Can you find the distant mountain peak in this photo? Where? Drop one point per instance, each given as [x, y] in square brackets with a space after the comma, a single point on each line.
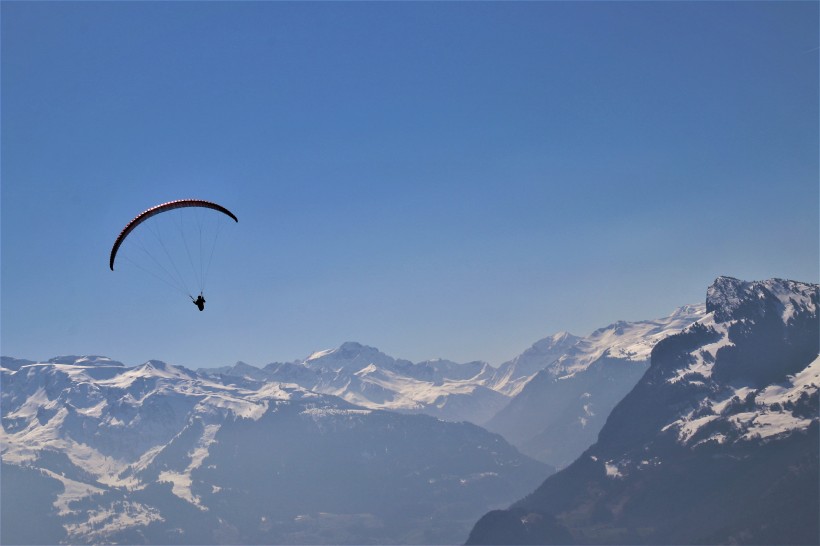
[687, 310]
[160, 369]
[347, 350]
[12, 363]
[561, 340]
[86, 360]
[352, 349]
[730, 298]
[563, 337]
[243, 366]
[350, 356]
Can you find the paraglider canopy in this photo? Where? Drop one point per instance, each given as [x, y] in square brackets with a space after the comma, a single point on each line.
[174, 242]
[164, 207]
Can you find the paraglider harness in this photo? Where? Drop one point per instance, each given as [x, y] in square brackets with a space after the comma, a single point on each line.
[199, 301]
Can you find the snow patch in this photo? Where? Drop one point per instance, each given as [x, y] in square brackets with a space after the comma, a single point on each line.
[72, 491]
[768, 424]
[612, 470]
[765, 419]
[181, 481]
[118, 516]
[319, 354]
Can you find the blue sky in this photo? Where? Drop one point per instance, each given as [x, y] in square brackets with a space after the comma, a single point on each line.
[449, 180]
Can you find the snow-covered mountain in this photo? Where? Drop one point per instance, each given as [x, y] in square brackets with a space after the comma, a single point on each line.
[334, 447]
[500, 398]
[109, 448]
[576, 382]
[365, 376]
[106, 417]
[716, 444]
[512, 375]
[160, 454]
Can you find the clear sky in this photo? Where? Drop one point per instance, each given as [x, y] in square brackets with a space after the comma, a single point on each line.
[452, 180]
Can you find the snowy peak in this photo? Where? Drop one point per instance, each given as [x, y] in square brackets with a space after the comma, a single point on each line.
[731, 298]
[11, 363]
[89, 360]
[246, 371]
[365, 376]
[440, 370]
[745, 371]
[350, 357]
[158, 368]
[558, 342]
[557, 412]
[564, 354]
[752, 361]
[514, 374]
[346, 351]
[634, 340]
[687, 311]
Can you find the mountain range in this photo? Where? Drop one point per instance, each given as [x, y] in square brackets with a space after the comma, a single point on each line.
[716, 444]
[645, 421]
[550, 401]
[160, 454]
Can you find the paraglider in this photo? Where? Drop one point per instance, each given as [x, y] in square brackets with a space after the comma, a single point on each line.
[162, 238]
